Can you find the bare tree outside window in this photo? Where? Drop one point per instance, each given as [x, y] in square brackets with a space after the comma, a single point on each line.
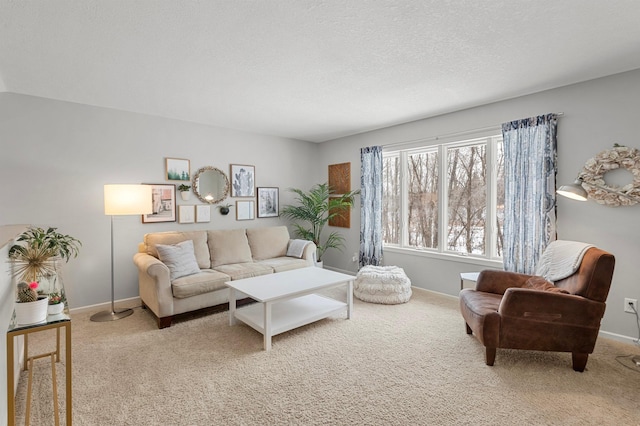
[423, 199]
[500, 197]
[391, 200]
[473, 222]
[467, 196]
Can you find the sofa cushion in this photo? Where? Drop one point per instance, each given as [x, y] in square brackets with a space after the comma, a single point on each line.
[268, 242]
[179, 258]
[199, 238]
[238, 271]
[281, 264]
[228, 246]
[203, 282]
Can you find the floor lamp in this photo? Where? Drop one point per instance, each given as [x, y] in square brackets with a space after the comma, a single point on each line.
[122, 200]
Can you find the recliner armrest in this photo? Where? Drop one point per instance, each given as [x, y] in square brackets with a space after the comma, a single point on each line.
[545, 306]
[497, 282]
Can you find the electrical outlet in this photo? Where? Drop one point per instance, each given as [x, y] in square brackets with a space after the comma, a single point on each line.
[628, 303]
[354, 259]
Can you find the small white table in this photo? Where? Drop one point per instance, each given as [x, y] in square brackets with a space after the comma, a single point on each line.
[468, 276]
[287, 300]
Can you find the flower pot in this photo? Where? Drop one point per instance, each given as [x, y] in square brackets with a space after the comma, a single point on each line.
[186, 195]
[55, 309]
[32, 312]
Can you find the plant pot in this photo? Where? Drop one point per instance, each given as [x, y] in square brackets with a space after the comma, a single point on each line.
[55, 309]
[186, 195]
[319, 264]
[32, 312]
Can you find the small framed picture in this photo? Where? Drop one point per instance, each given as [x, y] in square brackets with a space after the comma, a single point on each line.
[163, 199]
[186, 214]
[245, 210]
[203, 213]
[243, 178]
[268, 202]
[177, 169]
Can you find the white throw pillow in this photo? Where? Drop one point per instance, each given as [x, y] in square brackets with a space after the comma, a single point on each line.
[180, 258]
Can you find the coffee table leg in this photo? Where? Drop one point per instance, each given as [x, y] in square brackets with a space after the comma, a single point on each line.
[267, 326]
[349, 299]
[232, 306]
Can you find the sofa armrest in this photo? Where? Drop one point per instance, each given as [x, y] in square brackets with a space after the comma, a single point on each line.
[309, 253]
[154, 284]
[497, 282]
[551, 307]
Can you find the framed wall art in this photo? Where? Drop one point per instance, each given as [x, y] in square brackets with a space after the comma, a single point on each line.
[243, 178]
[340, 178]
[186, 214]
[245, 210]
[177, 169]
[342, 220]
[268, 199]
[203, 213]
[163, 198]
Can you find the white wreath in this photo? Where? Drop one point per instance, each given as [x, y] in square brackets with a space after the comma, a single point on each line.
[612, 195]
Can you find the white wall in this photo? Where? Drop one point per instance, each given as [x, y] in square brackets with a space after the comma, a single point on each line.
[56, 156]
[596, 114]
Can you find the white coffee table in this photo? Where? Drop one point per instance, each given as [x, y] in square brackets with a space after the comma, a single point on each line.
[287, 300]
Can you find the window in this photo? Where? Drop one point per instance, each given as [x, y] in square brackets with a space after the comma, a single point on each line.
[446, 198]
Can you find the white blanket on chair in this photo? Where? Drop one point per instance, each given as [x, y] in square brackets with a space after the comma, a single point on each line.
[561, 259]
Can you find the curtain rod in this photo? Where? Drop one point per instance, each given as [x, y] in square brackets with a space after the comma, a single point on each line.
[449, 135]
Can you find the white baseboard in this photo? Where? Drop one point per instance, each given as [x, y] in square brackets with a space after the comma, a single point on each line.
[128, 303]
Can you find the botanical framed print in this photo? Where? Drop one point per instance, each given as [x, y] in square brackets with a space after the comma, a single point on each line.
[163, 198]
[243, 178]
[340, 178]
[268, 202]
[245, 210]
[186, 214]
[177, 169]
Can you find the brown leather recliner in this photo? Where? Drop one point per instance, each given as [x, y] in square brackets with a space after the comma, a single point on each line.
[503, 312]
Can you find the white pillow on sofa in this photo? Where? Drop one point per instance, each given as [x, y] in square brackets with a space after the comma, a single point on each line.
[180, 258]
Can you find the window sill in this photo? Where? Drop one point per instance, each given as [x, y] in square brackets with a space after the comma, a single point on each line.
[446, 256]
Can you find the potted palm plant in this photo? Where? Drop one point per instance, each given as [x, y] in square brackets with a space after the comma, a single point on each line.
[313, 211]
[35, 258]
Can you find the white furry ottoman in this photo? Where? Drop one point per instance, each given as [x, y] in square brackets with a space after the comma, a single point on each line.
[382, 284]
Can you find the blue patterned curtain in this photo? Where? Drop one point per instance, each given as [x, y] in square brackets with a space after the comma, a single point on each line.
[371, 206]
[530, 152]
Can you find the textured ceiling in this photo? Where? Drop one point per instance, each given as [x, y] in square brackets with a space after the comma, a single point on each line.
[311, 70]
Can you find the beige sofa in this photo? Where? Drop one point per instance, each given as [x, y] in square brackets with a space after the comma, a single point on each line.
[221, 255]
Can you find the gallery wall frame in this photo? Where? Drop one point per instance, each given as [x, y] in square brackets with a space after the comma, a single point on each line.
[203, 213]
[186, 214]
[243, 180]
[163, 198]
[245, 210]
[268, 202]
[177, 169]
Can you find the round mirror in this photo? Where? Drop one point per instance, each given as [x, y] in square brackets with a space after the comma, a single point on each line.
[210, 185]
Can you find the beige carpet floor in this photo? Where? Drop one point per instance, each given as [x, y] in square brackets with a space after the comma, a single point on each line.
[410, 364]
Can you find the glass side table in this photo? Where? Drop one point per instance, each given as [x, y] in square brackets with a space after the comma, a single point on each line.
[57, 322]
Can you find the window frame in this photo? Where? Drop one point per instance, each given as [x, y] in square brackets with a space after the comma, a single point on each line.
[490, 258]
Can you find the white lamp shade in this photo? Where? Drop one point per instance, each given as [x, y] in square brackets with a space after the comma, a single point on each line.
[127, 199]
[575, 191]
